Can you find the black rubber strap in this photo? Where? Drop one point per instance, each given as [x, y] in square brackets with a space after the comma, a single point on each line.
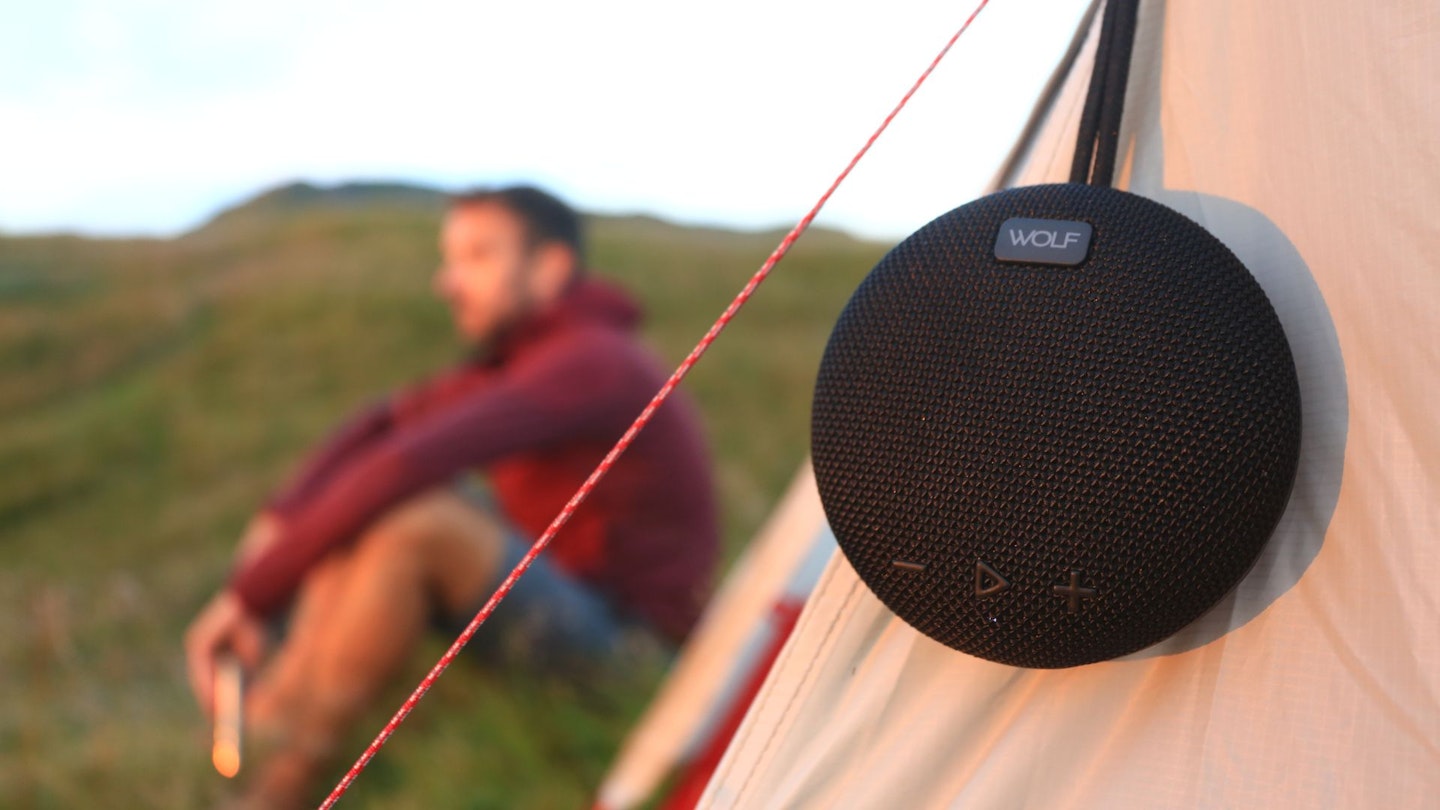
[1090, 117]
[1098, 140]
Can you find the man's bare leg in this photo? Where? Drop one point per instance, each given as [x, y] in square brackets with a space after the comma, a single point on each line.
[283, 685]
[368, 611]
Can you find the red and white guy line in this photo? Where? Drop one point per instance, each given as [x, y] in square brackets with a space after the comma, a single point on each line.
[639, 424]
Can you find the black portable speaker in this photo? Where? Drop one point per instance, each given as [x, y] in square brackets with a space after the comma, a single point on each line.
[1056, 425]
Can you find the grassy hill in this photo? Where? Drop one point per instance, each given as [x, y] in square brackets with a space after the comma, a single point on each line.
[151, 392]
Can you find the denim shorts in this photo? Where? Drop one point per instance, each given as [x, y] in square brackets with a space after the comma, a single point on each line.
[552, 621]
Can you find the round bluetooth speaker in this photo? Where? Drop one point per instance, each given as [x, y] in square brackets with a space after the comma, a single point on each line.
[1056, 425]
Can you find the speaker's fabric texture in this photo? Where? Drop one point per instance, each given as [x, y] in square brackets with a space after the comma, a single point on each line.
[1302, 135]
[1051, 466]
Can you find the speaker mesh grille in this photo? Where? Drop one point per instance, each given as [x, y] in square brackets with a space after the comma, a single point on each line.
[1135, 418]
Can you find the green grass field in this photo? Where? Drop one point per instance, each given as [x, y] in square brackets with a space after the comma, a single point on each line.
[152, 391]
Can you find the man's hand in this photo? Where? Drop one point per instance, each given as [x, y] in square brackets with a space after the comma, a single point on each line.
[223, 626]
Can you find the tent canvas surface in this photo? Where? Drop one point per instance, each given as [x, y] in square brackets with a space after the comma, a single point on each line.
[750, 613]
[1302, 135]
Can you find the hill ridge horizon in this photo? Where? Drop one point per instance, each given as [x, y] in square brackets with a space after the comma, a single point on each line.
[301, 195]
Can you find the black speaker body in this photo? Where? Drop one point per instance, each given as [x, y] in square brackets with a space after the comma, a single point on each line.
[1052, 463]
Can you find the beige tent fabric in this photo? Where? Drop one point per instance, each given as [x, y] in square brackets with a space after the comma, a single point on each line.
[1306, 136]
[697, 682]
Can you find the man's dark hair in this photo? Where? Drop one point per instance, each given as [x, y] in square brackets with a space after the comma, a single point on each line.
[546, 217]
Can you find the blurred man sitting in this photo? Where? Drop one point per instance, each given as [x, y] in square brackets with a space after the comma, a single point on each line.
[373, 541]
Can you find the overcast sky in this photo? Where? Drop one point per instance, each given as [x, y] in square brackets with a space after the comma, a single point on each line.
[146, 116]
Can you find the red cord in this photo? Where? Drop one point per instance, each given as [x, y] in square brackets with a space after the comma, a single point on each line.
[640, 422]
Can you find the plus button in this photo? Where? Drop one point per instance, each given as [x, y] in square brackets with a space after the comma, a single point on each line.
[1073, 592]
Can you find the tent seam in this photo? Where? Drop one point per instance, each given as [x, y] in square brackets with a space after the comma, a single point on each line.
[804, 678]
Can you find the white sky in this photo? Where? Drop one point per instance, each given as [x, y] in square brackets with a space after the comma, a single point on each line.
[146, 116]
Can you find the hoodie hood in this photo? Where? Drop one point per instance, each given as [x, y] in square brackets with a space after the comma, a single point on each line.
[588, 302]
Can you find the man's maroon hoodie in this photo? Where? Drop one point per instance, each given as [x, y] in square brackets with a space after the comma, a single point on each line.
[535, 413]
